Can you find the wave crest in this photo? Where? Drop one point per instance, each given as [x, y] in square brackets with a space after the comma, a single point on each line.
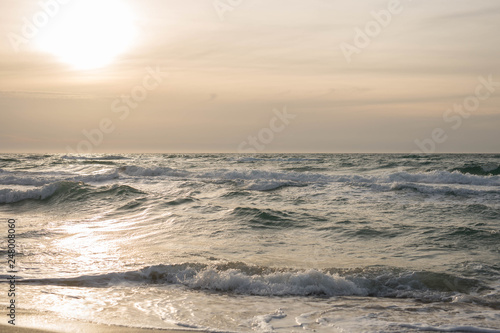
[263, 281]
[65, 191]
[479, 170]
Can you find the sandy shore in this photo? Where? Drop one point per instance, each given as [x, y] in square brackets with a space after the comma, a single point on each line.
[15, 329]
[32, 322]
[84, 327]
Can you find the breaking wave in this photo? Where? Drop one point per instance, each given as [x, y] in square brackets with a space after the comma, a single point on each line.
[480, 170]
[64, 191]
[240, 278]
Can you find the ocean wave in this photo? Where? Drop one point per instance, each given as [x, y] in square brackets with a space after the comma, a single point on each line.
[263, 281]
[267, 180]
[138, 171]
[475, 233]
[94, 157]
[64, 191]
[486, 212]
[36, 156]
[431, 183]
[439, 190]
[480, 170]
[443, 177]
[15, 195]
[45, 178]
[269, 185]
[179, 201]
[224, 174]
[224, 279]
[103, 162]
[8, 159]
[273, 159]
[266, 218]
[305, 168]
[432, 177]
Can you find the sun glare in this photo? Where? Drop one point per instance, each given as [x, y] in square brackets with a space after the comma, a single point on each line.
[89, 34]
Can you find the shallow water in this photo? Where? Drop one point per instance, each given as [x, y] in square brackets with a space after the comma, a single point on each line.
[276, 242]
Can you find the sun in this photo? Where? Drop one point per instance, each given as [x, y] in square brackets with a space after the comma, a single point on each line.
[89, 34]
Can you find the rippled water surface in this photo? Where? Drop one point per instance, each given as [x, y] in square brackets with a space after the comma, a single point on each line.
[242, 243]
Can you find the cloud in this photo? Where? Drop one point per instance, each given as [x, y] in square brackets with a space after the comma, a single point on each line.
[469, 14]
[43, 95]
[225, 77]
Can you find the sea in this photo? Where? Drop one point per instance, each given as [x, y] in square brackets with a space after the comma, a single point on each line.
[256, 243]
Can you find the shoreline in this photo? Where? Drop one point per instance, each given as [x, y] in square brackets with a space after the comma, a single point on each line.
[33, 322]
[82, 327]
[88, 327]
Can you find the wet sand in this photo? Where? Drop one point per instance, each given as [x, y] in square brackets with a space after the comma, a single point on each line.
[33, 322]
[84, 328]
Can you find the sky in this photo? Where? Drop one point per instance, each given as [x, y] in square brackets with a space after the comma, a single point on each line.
[90, 76]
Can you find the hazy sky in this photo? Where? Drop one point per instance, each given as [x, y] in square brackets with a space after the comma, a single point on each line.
[205, 76]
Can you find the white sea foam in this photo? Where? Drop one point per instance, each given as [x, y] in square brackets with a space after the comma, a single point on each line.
[443, 177]
[45, 178]
[153, 172]
[250, 280]
[94, 157]
[311, 282]
[436, 182]
[433, 177]
[290, 159]
[449, 328]
[263, 322]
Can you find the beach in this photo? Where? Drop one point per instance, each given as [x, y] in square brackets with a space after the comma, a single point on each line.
[33, 322]
[84, 328]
